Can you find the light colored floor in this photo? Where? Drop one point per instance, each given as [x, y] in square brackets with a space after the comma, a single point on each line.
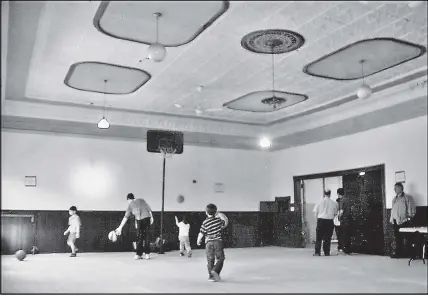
[249, 270]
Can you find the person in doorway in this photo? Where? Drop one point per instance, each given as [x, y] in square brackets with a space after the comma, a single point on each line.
[325, 212]
[336, 220]
[344, 215]
[73, 230]
[183, 236]
[143, 219]
[402, 212]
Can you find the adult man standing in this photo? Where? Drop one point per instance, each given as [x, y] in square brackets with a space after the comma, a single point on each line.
[344, 216]
[143, 219]
[403, 210]
[325, 212]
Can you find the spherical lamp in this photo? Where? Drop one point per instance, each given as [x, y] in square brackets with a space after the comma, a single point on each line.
[364, 91]
[157, 52]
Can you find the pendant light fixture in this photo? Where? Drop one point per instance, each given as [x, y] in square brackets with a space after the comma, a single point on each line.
[103, 123]
[157, 51]
[273, 101]
[364, 91]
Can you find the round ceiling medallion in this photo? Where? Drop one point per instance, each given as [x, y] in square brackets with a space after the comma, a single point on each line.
[274, 101]
[272, 41]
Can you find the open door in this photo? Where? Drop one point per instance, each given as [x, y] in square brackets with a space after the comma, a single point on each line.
[366, 198]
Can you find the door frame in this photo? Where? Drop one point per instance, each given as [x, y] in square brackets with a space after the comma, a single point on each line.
[299, 199]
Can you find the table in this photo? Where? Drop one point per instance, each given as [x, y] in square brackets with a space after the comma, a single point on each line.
[416, 230]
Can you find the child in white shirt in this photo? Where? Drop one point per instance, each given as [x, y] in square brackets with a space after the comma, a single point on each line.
[73, 230]
[183, 236]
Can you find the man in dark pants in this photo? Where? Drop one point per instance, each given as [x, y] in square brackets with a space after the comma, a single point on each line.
[336, 220]
[402, 212]
[143, 219]
[345, 222]
[325, 212]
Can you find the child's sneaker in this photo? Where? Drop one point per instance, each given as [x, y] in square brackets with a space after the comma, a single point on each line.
[211, 279]
[181, 254]
[215, 275]
[147, 256]
[136, 257]
[189, 255]
[73, 255]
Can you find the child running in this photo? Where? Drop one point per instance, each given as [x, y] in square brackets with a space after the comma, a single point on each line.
[212, 230]
[73, 230]
[183, 236]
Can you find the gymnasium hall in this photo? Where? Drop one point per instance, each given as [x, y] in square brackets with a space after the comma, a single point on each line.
[214, 147]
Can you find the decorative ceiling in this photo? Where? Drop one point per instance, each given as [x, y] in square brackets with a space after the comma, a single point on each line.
[105, 78]
[50, 41]
[364, 58]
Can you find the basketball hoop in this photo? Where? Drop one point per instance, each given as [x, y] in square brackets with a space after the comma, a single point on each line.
[167, 152]
[166, 148]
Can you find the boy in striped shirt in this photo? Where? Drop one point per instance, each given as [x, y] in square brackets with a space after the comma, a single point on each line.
[211, 228]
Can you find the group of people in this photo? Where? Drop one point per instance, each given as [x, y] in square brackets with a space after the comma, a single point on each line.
[211, 230]
[337, 215]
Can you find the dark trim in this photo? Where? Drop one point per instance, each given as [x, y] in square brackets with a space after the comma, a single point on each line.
[74, 66]
[384, 212]
[103, 7]
[306, 69]
[338, 173]
[305, 97]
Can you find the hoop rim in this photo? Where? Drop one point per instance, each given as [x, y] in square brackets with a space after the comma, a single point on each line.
[167, 152]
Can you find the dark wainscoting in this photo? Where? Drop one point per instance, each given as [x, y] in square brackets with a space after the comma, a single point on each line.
[246, 229]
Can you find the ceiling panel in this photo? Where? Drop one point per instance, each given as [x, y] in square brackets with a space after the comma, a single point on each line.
[66, 35]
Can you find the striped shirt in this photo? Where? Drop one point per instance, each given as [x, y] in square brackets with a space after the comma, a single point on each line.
[211, 228]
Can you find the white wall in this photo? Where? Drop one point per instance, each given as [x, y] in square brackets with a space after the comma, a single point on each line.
[401, 147]
[96, 174]
[4, 43]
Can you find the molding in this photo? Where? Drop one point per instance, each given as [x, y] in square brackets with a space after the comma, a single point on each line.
[378, 118]
[91, 116]
[390, 97]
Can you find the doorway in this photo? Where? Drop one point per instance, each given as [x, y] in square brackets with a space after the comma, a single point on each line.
[17, 233]
[365, 187]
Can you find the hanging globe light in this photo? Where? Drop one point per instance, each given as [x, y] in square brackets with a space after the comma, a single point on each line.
[364, 91]
[157, 52]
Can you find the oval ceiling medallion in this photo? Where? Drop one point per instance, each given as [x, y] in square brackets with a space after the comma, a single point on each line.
[274, 41]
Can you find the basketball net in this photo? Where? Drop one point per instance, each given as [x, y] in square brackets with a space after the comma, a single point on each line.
[167, 152]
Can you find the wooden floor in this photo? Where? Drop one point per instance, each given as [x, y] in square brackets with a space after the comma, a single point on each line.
[249, 270]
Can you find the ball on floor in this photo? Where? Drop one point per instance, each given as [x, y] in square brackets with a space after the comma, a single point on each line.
[180, 198]
[112, 236]
[20, 255]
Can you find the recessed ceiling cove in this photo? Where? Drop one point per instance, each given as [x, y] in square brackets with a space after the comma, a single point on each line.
[105, 78]
[181, 21]
[265, 101]
[272, 41]
[364, 58]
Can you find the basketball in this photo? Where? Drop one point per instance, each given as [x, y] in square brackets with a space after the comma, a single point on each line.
[20, 255]
[112, 236]
[180, 198]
